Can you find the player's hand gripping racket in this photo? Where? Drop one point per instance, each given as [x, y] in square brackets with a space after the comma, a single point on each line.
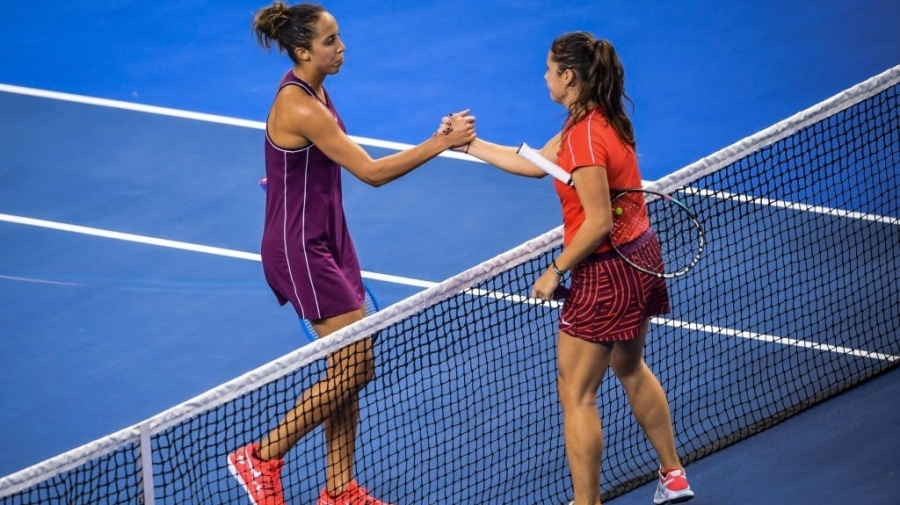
[639, 216]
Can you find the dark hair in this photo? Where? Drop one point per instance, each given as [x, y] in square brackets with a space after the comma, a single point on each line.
[596, 65]
[288, 27]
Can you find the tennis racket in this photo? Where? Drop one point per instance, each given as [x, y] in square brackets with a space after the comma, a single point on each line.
[645, 224]
[371, 308]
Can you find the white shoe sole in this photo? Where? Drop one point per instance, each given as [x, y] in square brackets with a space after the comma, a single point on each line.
[672, 497]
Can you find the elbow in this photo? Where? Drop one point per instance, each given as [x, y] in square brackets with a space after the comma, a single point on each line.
[600, 228]
[371, 176]
[603, 235]
[606, 227]
[375, 182]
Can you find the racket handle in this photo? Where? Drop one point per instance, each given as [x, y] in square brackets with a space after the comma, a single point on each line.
[561, 292]
[550, 168]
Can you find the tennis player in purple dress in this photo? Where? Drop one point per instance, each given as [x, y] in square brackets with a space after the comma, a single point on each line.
[307, 253]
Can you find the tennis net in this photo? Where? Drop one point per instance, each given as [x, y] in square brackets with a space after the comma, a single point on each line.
[796, 299]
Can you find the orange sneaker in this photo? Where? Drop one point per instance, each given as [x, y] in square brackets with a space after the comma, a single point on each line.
[354, 495]
[260, 479]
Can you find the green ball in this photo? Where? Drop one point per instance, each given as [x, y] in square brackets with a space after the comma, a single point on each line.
[618, 211]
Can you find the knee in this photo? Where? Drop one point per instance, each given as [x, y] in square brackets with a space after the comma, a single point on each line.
[356, 368]
[626, 367]
[358, 376]
[366, 372]
[573, 395]
[636, 377]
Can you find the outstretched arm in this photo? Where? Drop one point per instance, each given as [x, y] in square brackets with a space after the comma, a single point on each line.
[306, 120]
[505, 157]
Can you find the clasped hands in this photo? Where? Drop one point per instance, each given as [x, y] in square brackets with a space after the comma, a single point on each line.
[460, 124]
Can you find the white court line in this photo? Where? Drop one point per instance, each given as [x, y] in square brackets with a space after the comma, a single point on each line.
[761, 337]
[174, 244]
[186, 246]
[792, 205]
[198, 116]
[714, 330]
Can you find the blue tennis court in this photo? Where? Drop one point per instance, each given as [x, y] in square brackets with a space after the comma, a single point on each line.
[128, 276]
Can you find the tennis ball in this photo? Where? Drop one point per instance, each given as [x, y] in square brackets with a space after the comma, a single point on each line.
[619, 211]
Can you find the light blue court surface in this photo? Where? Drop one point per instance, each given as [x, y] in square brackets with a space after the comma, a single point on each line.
[99, 331]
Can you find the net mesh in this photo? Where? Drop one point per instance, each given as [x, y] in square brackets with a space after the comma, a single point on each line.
[797, 298]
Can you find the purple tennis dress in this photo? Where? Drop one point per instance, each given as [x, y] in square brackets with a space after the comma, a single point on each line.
[307, 255]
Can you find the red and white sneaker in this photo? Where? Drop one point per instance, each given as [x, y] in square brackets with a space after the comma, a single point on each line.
[354, 495]
[672, 488]
[260, 479]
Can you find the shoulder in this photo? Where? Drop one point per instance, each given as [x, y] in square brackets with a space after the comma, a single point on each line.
[595, 121]
[293, 101]
[293, 95]
[591, 123]
[591, 128]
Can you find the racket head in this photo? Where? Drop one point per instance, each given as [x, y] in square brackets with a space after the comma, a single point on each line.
[655, 233]
[371, 307]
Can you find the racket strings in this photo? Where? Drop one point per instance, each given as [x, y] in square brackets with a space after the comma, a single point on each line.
[679, 236]
[677, 239]
[630, 218]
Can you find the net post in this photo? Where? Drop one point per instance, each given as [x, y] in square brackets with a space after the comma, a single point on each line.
[147, 464]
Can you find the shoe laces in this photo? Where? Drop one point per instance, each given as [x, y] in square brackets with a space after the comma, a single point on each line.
[266, 483]
[268, 479]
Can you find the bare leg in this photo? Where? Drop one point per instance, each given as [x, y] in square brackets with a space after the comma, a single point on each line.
[582, 366]
[646, 395]
[333, 400]
[340, 441]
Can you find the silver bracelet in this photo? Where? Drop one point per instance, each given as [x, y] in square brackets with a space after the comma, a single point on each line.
[556, 269]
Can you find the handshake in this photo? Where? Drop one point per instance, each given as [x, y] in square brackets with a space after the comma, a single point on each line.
[459, 129]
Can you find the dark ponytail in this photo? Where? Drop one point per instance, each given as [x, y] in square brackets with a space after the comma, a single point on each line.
[597, 67]
[287, 27]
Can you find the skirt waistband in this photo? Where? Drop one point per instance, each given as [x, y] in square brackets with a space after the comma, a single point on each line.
[626, 249]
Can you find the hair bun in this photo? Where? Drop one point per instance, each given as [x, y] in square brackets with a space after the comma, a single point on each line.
[279, 8]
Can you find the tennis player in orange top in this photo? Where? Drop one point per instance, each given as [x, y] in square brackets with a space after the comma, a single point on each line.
[607, 311]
